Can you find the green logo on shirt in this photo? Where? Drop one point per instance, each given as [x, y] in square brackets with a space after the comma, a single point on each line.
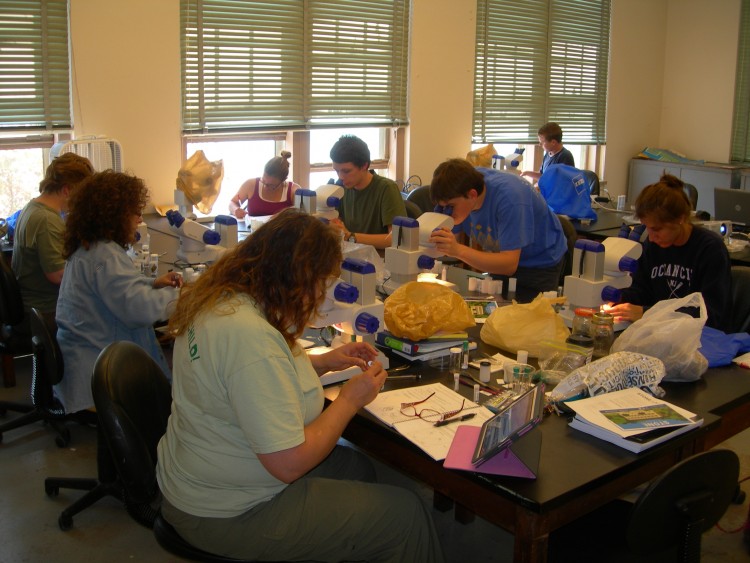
[192, 346]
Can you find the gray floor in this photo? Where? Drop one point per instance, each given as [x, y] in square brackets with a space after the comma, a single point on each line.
[104, 532]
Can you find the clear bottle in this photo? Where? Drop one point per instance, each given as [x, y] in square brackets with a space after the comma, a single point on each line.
[603, 332]
[582, 321]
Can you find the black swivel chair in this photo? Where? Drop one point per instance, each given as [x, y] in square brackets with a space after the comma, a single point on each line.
[421, 197]
[692, 194]
[664, 524]
[47, 371]
[13, 342]
[571, 236]
[412, 210]
[592, 181]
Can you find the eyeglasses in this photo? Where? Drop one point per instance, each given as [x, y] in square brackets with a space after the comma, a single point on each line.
[431, 415]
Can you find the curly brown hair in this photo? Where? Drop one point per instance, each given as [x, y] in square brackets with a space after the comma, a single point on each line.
[102, 208]
[283, 266]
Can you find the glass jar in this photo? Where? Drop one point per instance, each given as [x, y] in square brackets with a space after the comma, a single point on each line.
[603, 333]
[582, 321]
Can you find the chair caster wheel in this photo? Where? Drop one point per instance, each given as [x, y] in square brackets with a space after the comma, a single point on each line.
[51, 490]
[63, 440]
[739, 496]
[65, 522]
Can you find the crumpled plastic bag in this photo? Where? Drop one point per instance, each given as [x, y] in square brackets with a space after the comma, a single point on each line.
[417, 310]
[523, 326]
[200, 180]
[482, 156]
[670, 335]
[612, 373]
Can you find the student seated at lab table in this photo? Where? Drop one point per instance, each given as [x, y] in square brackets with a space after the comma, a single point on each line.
[550, 138]
[370, 201]
[38, 261]
[249, 466]
[103, 296]
[511, 229]
[268, 194]
[679, 258]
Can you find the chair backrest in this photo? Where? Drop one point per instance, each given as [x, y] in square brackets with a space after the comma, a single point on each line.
[412, 209]
[740, 299]
[421, 196]
[571, 236]
[133, 400]
[11, 303]
[692, 194]
[47, 362]
[592, 181]
[681, 504]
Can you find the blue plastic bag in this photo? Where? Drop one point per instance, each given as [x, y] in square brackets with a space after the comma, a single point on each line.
[566, 192]
[720, 348]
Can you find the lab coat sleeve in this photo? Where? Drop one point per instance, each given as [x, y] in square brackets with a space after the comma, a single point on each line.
[129, 294]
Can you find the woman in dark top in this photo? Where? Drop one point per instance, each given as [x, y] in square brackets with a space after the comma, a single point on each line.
[678, 258]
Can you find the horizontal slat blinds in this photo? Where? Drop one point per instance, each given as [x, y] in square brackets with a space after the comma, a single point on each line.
[540, 61]
[293, 64]
[34, 68]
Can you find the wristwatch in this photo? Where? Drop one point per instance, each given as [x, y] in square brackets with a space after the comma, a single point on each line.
[352, 237]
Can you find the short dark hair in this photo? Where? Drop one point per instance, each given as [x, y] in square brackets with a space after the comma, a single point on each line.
[454, 178]
[351, 149]
[551, 131]
[665, 201]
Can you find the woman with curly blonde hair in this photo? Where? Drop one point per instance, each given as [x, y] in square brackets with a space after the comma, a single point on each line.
[103, 297]
[249, 466]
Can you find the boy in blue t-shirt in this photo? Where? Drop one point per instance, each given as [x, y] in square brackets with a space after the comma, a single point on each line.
[511, 229]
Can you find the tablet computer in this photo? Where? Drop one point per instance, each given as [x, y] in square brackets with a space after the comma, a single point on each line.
[508, 425]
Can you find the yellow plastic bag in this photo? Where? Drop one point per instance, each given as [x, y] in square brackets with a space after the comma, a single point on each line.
[523, 326]
[417, 310]
[482, 156]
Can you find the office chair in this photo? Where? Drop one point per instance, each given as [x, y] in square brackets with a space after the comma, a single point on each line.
[692, 194]
[740, 299]
[665, 523]
[47, 371]
[14, 341]
[592, 181]
[571, 236]
[412, 210]
[421, 197]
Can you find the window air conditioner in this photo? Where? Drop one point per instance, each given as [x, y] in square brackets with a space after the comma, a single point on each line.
[104, 153]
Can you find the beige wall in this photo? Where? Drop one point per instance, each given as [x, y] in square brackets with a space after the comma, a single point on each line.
[671, 82]
[126, 83]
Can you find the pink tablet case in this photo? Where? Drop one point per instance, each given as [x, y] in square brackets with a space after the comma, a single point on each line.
[521, 459]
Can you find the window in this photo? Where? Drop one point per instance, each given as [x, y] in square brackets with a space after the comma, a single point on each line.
[285, 64]
[34, 73]
[538, 62]
[741, 127]
[34, 89]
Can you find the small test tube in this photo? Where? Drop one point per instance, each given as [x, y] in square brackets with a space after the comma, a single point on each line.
[465, 356]
[476, 392]
[456, 359]
[511, 288]
[456, 381]
[485, 369]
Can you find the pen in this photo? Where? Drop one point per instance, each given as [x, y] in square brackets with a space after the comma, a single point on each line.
[405, 376]
[452, 420]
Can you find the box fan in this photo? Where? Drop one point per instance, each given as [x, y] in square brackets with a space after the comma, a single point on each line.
[104, 153]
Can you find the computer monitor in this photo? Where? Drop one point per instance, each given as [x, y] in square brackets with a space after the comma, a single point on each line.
[732, 205]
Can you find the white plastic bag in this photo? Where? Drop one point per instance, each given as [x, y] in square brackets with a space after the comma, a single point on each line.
[671, 336]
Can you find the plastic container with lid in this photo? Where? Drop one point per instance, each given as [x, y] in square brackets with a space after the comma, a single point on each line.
[582, 321]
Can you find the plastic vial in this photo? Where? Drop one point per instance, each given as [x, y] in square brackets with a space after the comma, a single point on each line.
[511, 288]
[603, 333]
[465, 356]
[456, 360]
[522, 356]
[485, 369]
[476, 392]
[456, 381]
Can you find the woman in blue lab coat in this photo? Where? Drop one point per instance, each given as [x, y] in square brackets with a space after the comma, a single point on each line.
[103, 296]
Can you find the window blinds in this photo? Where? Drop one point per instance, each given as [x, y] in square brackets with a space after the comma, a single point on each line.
[34, 68]
[741, 125]
[288, 64]
[540, 61]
